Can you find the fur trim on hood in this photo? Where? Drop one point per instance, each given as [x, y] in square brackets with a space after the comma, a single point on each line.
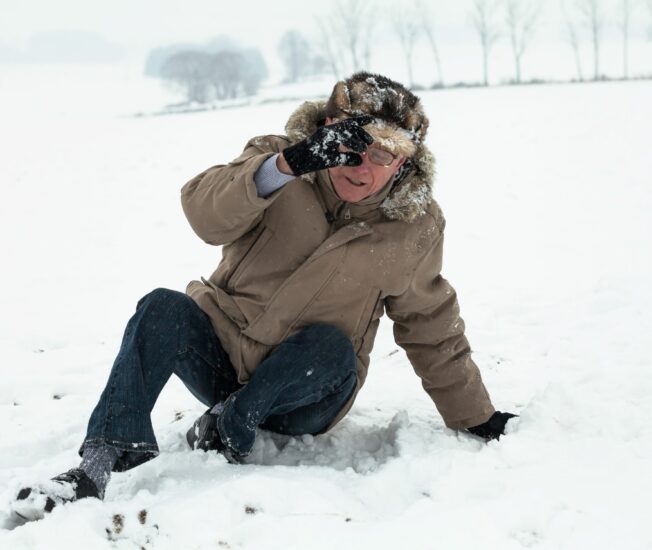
[411, 192]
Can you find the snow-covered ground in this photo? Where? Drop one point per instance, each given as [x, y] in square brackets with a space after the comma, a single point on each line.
[547, 193]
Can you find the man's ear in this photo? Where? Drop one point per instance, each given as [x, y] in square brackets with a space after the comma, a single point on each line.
[401, 162]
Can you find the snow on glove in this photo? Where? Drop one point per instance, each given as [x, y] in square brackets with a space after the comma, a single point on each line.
[321, 149]
[494, 427]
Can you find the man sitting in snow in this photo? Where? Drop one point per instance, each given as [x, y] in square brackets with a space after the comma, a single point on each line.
[322, 231]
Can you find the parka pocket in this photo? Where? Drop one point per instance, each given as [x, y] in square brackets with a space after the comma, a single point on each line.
[248, 257]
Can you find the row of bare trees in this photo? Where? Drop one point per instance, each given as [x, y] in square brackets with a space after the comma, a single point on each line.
[520, 21]
[345, 40]
[592, 15]
[521, 18]
[345, 35]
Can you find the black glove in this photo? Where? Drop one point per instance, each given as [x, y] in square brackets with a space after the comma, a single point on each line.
[204, 435]
[321, 149]
[494, 427]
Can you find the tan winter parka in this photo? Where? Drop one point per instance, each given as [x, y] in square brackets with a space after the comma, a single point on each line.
[301, 256]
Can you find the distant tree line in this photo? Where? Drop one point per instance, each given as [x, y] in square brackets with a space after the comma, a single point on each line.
[219, 70]
[343, 39]
[345, 34]
[518, 21]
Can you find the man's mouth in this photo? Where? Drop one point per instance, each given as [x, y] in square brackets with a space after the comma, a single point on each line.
[354, 182]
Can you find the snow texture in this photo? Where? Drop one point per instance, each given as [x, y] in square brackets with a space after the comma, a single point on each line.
[547, 195]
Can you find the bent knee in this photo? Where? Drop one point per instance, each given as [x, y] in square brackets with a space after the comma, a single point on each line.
[163, 298]
[327, 335]
[332, 346]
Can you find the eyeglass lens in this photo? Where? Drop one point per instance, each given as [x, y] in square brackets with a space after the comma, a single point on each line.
[379, 156]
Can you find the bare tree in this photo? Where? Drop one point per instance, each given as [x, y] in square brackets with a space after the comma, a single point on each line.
[627, 8]
[351, 19]
[366, 39]
[237, 73]
[327, 47]
[482, 17]
[593, 16]
[573, 40]
[406, 26]
[252, 71]
[225, 74]
[295, 53]
[428, 28]
[521, 18]
[189, 70]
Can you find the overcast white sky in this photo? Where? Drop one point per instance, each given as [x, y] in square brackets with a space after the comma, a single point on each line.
[140, 25]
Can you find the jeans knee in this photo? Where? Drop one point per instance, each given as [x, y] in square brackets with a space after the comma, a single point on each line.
[160, 297]
[163, 305]
[327, 334]
[329, 339]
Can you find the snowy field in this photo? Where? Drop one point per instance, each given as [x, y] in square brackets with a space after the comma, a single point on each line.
[547, 193]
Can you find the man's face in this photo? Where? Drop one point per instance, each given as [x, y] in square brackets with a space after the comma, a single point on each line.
[356, 183]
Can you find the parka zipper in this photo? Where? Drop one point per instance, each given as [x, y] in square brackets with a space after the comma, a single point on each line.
[343, 212]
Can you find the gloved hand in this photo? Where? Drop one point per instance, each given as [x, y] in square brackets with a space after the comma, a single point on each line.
[204, 435]
[494, 427]
[321, 149]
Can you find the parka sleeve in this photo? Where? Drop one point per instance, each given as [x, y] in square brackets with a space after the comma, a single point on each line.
[427, 325]
[222, 204]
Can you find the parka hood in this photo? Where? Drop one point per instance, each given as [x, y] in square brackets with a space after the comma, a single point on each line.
[411, 191]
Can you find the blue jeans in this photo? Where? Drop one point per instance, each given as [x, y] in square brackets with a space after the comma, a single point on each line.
[298, 389]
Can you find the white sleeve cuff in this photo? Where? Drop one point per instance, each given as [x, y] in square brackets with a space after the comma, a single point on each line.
[268, 178]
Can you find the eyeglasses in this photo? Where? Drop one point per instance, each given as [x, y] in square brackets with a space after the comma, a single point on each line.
[379, 156]
[376, 155]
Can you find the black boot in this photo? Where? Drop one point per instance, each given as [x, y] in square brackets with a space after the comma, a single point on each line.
[34, 502]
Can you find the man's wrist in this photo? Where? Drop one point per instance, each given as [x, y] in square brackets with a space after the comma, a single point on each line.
[283, 166]
[268, 178]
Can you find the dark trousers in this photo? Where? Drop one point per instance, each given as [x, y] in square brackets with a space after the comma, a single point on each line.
[298, 389]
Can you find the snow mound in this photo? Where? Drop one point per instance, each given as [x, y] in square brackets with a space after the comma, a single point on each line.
[362, 448]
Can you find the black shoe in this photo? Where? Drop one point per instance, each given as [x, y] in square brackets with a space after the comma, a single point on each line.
[34, 503]
[204, 435]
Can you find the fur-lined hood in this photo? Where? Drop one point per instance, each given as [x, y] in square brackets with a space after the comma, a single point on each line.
[411, 192]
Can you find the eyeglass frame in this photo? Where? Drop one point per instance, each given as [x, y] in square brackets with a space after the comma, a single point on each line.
[380, 149]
